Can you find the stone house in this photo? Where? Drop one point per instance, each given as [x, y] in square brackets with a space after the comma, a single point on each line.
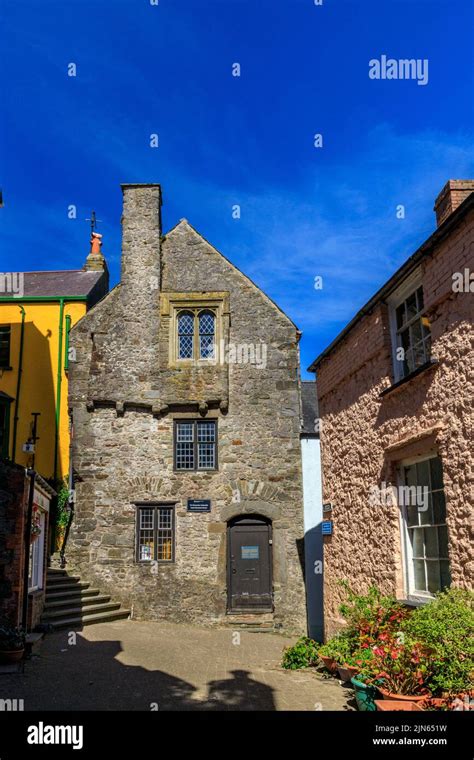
[185, 406]
[396, 391]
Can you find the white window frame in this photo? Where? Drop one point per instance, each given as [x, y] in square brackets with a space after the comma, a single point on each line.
[36, 564]
[407, 553]
[404, 291]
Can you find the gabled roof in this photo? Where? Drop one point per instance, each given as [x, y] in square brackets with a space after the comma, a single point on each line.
[72, 282]
[310, 408]
[185, 223]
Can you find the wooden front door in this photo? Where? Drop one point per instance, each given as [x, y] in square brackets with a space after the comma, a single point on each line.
[249, 564]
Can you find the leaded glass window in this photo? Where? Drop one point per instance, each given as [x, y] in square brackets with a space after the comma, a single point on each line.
[185, 335]
[196, 334]
[206, 334]
[195, 445]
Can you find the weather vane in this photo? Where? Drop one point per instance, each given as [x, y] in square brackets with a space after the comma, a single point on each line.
[93, 220]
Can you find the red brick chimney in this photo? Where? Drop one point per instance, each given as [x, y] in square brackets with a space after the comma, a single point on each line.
[451, 196]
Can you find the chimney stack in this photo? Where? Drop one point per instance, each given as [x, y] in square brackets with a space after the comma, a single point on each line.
[95, 261]
[451, 196]
[141, 238]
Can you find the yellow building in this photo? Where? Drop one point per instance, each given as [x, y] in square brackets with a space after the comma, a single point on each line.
[37, 310]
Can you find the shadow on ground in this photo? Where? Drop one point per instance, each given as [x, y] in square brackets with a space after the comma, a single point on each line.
[88, 676]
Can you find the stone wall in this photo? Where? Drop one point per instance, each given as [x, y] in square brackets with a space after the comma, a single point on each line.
[364, 434]
[125, 393]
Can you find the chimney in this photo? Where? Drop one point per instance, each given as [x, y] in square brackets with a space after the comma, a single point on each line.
[95, 261]
[141, 238]
[451, 196]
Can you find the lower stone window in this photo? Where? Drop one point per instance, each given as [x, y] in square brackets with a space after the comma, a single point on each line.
[155, 533]
[195, 445]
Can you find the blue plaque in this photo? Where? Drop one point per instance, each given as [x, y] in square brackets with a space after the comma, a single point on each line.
[326, 528]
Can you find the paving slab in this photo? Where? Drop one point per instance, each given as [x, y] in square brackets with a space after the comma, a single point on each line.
[132, 665]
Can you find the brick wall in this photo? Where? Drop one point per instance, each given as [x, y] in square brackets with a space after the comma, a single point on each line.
[12, 525]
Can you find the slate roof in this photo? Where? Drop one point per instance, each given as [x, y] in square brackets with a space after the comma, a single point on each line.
[310, 408]
[71, 282]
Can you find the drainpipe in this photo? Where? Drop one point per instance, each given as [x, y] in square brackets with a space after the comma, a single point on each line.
[62, 553]
[26, 568]
[59, 378]
[58, 387]
[66, 350]
[18, 382]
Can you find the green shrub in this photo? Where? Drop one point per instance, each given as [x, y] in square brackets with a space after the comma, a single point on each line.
[63, 512]
[446, 626]
[368, 615]
[302, 655]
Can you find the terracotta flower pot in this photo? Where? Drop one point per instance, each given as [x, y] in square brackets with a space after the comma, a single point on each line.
[346, 672]
[329, 663]
[385, 705]
[401, 697]
[9, 656]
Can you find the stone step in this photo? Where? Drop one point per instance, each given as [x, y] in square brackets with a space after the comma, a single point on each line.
[250, 621]
[53, 595]
[74, 600]
[79, 611]
[59, 580]
[57, 587]
[55, 572]
[102, 617]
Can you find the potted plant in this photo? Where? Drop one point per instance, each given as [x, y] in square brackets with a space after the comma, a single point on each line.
[12, 643]
[354, 663]
[386, 705]
[401, 667]
[365, 691]
[337, 650]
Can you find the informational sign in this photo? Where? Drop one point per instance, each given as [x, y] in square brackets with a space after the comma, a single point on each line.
[249, 552]
[199, 505]
[326, 528]
[327, 507]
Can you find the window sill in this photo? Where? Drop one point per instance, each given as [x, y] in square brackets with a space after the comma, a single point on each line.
[419, 601]
[419, 371]
[6, 369]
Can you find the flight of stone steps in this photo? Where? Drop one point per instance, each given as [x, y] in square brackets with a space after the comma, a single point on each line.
[70, 602]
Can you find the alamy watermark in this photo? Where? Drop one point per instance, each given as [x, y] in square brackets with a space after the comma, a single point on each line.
[12, 283]
[463, 282]
[387, 495]
[402, 68]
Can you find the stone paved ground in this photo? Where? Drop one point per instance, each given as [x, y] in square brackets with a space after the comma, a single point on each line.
[130, 665]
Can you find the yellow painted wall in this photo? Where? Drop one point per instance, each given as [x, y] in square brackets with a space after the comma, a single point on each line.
[39, 380]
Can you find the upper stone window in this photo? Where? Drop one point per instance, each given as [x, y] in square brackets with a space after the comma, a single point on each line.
[196, 325]
[196, 336]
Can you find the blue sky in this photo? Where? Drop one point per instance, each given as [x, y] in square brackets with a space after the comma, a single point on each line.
[247, 140]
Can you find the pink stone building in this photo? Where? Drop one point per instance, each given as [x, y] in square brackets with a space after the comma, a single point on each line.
[396, 400]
